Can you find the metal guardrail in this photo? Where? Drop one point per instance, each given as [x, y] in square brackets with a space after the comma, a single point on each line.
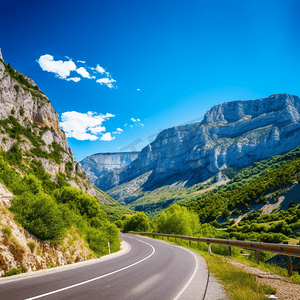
[283, 249]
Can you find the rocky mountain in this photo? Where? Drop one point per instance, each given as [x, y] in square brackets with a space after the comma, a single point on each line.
[29, 123]
[233, 134]
[103, 168]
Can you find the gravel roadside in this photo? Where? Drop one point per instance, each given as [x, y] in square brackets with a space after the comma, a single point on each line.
[285, 290]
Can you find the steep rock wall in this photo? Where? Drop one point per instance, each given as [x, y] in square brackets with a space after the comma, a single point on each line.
[103, 168]
[232, 134]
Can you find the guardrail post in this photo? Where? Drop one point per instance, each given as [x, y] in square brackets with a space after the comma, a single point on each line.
[190, 243]
[208, 248]
[229, 250]
[289, 266]
[257, 256]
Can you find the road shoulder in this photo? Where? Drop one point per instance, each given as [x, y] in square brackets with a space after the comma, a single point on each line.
[124, 248]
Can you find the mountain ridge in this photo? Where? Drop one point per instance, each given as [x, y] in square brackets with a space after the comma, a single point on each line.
[233, 134]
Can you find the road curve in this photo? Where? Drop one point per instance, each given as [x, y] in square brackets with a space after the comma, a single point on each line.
[152, 269]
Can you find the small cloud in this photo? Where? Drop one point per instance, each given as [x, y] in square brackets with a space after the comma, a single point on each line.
[100, 69]
[119, 131]
[141, 124]
[75, 79]
[83, 72]
[106, 81]
[84, 126]
[138, 120]
[60, 68]
[107, 137]
[125, 125]
[138, 90]
[131, 126]
[133, 120]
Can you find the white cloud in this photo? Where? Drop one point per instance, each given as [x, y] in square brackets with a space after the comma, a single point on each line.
[131, 126]
[100, 69]
[83, 72]
[138, 120]
[142, 124]
[61, 68]
[118, 131]
[138, 90]
[106, 81]
[75, 79]
[84, 126]
[125, 125]
[107, 137]
[133, 120]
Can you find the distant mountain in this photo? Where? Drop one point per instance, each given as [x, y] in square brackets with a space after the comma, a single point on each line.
[231, 135]
[103, 168]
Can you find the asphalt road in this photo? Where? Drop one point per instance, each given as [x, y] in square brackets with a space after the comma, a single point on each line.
[152, 269]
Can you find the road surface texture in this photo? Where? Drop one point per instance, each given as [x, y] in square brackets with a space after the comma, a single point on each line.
[152, 269]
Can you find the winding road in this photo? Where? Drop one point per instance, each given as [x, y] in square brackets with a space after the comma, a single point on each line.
[151, 269]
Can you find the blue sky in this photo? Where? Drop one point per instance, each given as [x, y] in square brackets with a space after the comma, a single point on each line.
[148, 64]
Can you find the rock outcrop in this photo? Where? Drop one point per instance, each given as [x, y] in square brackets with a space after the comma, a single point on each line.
[103, 168]
[232, 134]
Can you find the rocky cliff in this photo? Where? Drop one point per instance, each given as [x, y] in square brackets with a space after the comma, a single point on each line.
[103, 168]
[28, 121]
[232, 134]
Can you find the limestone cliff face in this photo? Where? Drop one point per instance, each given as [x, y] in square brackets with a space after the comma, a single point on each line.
[103, 168]
[21, 99]
[232, 134]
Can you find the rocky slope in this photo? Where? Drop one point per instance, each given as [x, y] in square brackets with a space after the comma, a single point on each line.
[24, 106]
[103, 168]
[232, 134]
[19, 247]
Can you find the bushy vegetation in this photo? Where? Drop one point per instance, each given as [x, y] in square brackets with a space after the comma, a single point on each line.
[137, 222]
[48, 214]
[177, 220]
[116, 211]
[16, 271]
[154, 202]
[216, 203]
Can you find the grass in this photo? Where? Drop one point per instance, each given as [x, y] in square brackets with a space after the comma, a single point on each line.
[238, 284]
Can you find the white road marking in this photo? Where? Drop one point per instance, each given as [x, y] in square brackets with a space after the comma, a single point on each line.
[87, 281]
[192, 277]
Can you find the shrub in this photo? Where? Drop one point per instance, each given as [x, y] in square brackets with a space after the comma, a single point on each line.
[16, 271]
[39, 214]
[16, 87]
[32, 246]
[21, 111]
[6, 231]
[12, 111]
[12, 272]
